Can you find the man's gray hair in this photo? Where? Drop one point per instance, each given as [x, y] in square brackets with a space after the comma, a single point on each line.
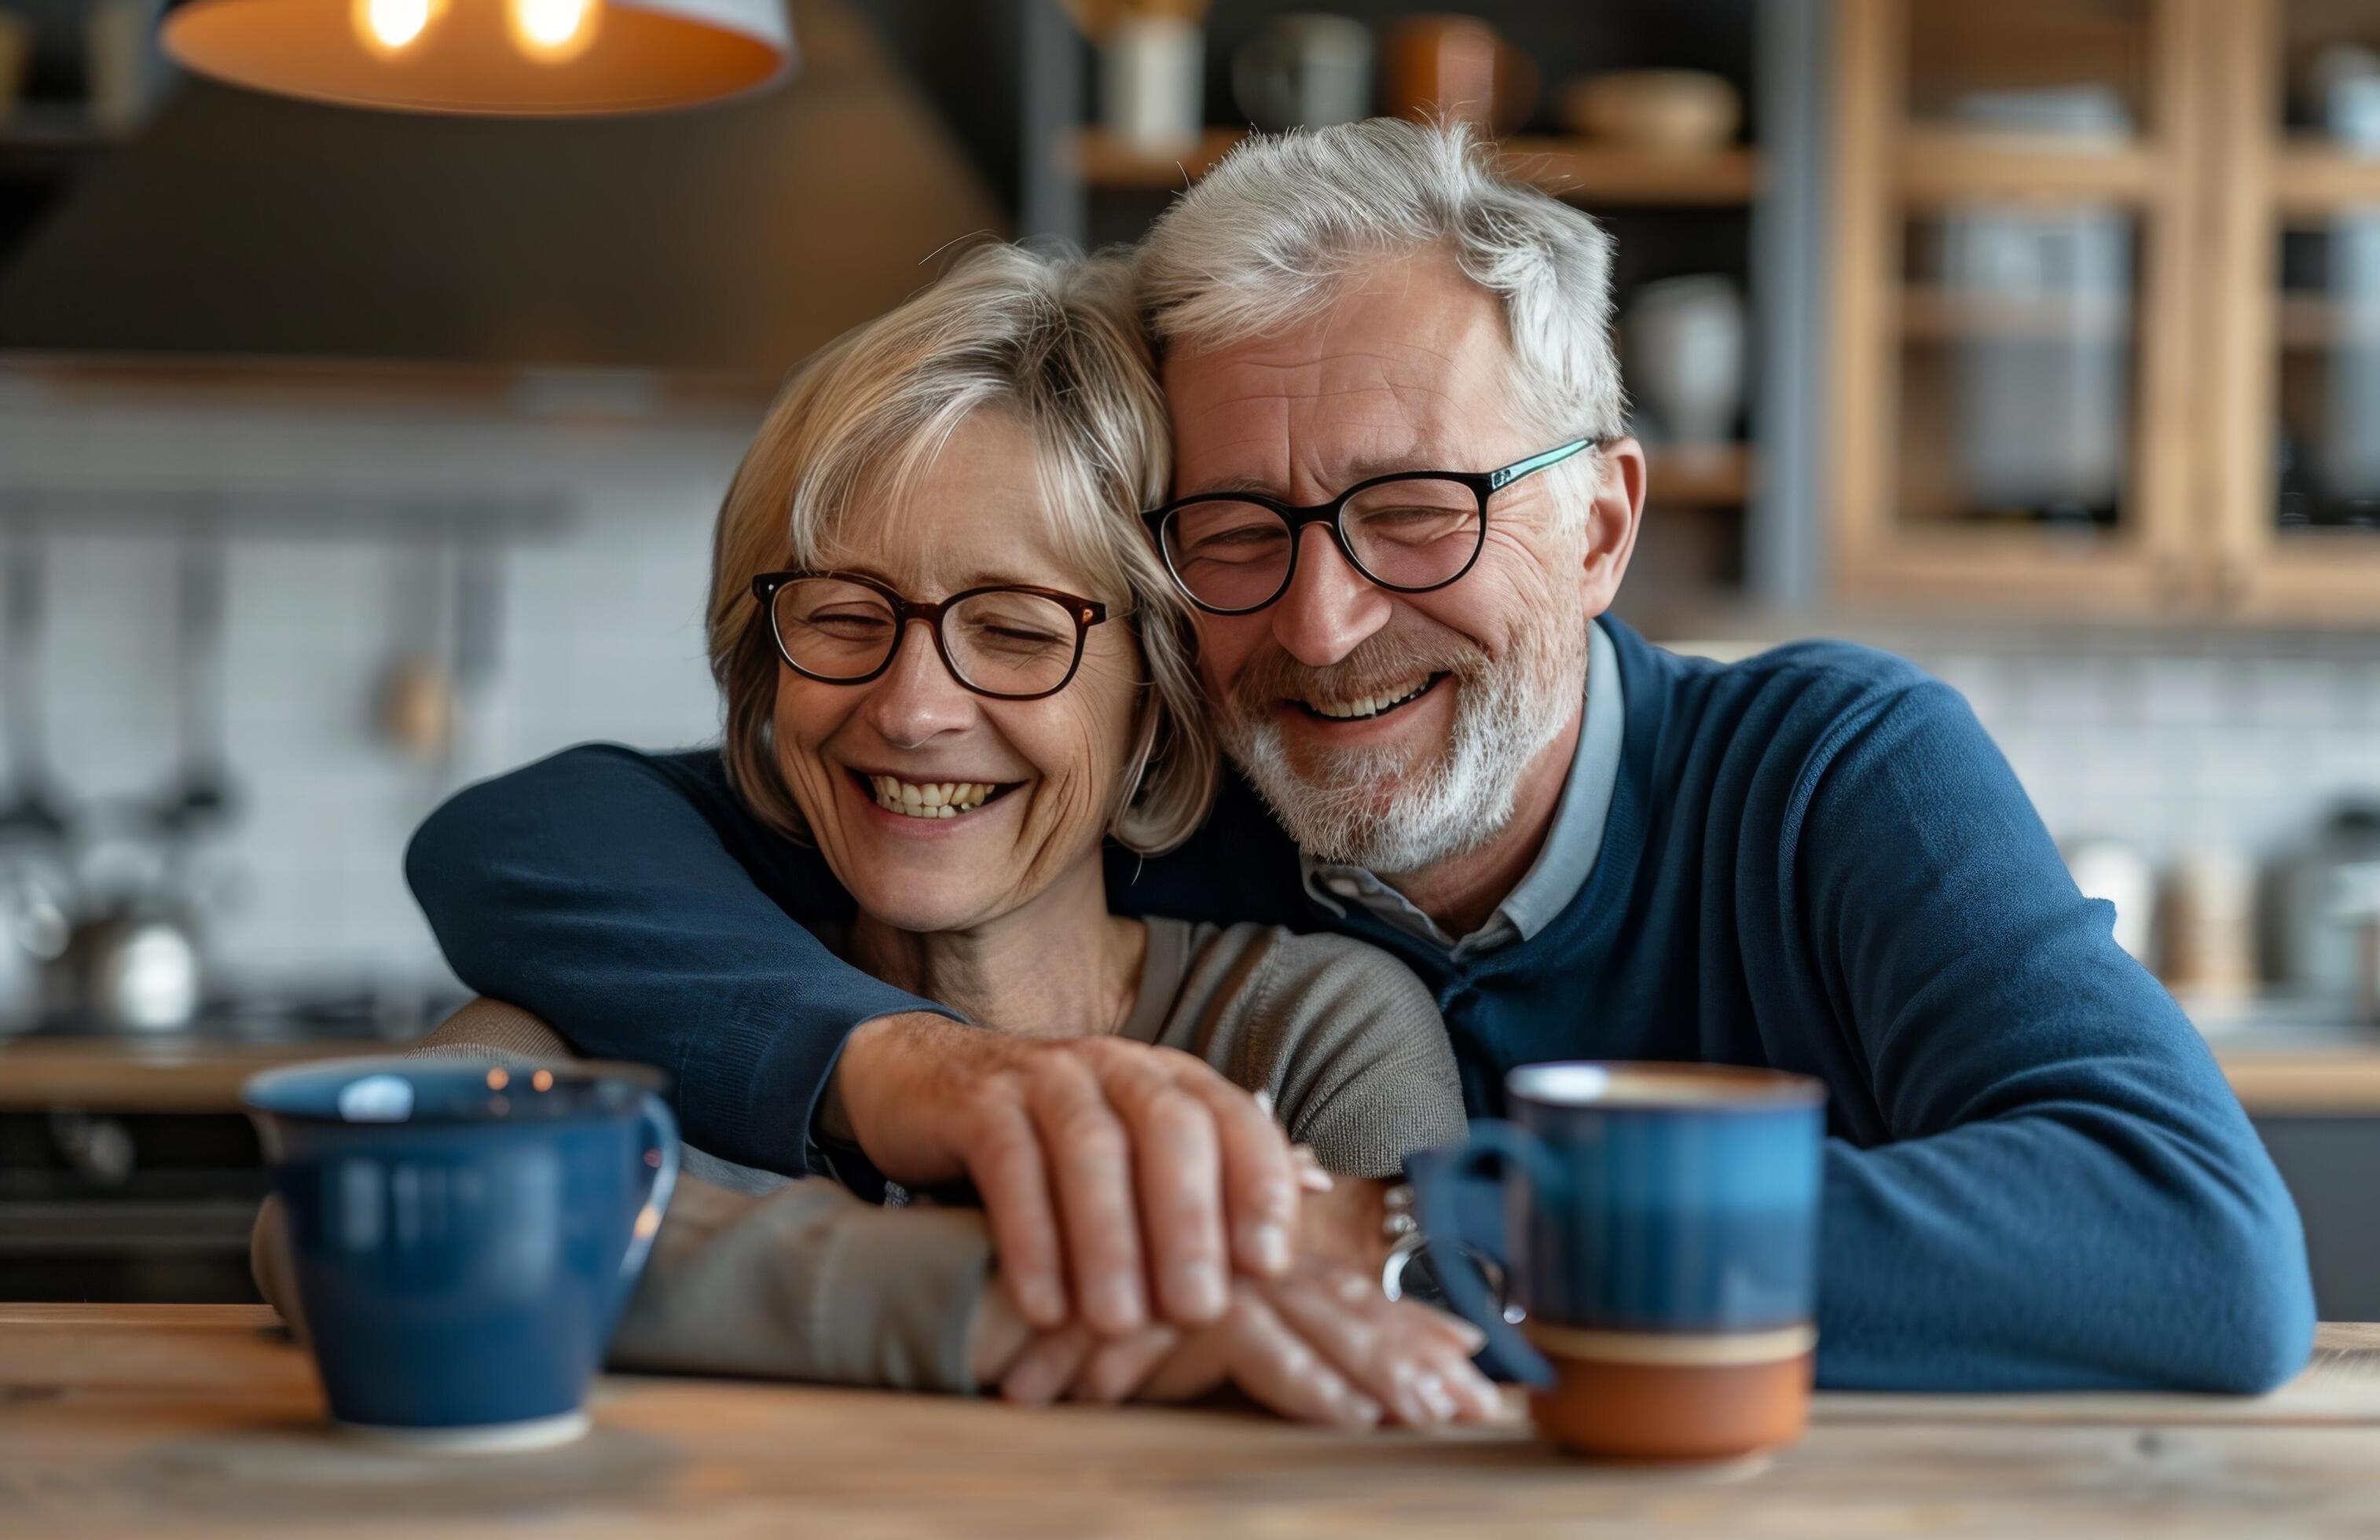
[1283, 218]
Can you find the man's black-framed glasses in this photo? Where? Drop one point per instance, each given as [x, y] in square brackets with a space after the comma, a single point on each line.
[1409, 531]
[1010, 643]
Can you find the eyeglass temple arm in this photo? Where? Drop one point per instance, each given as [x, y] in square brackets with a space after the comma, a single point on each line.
[1518, 469]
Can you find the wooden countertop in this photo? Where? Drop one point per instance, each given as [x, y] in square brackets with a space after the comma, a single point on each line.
[2282, 1081]
[193, 1419]
[129, 1075]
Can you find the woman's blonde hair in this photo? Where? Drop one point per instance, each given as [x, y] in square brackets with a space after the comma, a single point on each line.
[1051, 340]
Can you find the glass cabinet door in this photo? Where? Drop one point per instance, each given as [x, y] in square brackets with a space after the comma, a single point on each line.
[2019, 337]
[2014, 206]
[2327, 427]
[2326, 449]
[2299, 523]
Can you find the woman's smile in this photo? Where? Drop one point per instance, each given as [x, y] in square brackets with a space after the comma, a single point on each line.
[924, 803]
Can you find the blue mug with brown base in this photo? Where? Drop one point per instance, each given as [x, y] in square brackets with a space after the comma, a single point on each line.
[1660, 1225]
[464, 1235]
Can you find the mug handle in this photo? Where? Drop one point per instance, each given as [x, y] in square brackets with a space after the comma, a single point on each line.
[1437, 1193]
[660, 1127]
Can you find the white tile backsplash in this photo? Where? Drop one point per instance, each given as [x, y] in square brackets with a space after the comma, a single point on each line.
[2176, 741]
[600, 633]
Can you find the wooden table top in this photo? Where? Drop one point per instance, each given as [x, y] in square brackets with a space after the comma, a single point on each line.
[2337, 1075]
[137, 1420]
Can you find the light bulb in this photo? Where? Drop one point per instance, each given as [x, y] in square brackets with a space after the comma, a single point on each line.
[553, 32]
[388, 26]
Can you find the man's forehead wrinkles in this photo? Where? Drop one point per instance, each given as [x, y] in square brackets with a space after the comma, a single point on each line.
[1197, 409]
[1283, 354]
[1376, 388]
[1398, 389]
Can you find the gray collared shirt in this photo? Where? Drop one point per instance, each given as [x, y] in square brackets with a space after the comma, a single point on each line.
[1562, 864]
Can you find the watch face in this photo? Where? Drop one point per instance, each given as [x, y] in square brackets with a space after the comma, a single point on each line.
[1412, 1274]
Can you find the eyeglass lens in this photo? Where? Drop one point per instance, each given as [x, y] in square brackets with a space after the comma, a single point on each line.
[1413, 533]
[1001, 642]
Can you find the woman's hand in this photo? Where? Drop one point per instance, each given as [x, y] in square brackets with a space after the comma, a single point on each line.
[1139, 1173]
[1319, 1345]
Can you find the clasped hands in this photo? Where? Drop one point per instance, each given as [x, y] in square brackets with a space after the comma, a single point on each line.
[1159, 1237]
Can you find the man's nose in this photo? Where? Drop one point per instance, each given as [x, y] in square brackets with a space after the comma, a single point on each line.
[1329, 606]
[917, 697]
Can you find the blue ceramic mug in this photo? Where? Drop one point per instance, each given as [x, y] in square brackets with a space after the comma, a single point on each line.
[1660, 1229]
[464, 1235]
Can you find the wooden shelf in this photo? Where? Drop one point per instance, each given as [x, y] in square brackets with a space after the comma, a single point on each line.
[1104, 161]
[1584, 171]
[2311, 324]
[1715, 477]
[1933, 314]
[2314, 176]
[1936, 166]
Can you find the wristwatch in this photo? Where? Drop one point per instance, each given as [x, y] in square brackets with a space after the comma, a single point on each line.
[1411, 1271]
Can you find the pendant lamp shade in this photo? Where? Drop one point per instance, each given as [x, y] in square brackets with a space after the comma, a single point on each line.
[512, 58]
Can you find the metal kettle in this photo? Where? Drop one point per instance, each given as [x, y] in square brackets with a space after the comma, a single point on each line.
[131, 969]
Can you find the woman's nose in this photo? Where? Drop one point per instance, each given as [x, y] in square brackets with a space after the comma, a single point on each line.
[917, 697]
[1329, 606]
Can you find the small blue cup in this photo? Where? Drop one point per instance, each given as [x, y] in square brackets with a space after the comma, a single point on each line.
[1660, 1229]
[464, 1235]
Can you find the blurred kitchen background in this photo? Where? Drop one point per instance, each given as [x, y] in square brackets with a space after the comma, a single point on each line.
[350, 455]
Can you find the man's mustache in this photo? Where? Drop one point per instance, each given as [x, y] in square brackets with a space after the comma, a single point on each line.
[1378, 663]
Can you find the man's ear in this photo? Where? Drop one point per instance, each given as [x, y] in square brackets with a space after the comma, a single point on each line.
[1611, 521]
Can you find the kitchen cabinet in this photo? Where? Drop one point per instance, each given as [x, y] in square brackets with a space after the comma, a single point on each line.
[2294, 368]
[2326, 1162]
[2106, 307]
[1675, 212]
[127, 1171]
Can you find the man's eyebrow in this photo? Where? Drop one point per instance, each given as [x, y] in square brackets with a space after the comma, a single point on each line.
[1234, 484]
[1392, 464]
[1358, 471]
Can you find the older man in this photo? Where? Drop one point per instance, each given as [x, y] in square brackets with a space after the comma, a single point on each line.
[1404, 496]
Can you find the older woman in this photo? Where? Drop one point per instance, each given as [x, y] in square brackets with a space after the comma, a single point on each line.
[951, 662]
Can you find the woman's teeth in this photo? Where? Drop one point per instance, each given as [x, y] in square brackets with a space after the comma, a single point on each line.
[931, 799]
[1370, 705]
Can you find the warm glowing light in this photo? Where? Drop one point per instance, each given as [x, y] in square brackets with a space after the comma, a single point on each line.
[498, 1080]
[542, 1080]
[553, 32]
[390, 25]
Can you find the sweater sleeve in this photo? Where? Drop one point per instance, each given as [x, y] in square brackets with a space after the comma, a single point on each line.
[811, 1283]
[2065, 1192]
[631, 901]
[1351, 1047]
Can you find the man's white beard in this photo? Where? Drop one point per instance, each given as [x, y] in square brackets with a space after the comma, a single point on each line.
[1370, 807]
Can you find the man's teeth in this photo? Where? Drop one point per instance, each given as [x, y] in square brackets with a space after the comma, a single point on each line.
[1371, 705]
[930, 799]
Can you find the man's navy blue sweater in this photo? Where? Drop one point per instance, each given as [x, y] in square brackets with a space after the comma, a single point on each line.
[1816, 860]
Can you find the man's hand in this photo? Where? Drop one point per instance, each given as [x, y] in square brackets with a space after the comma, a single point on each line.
[1319, 1345]
[1343, 1223]
[1110, 1162]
